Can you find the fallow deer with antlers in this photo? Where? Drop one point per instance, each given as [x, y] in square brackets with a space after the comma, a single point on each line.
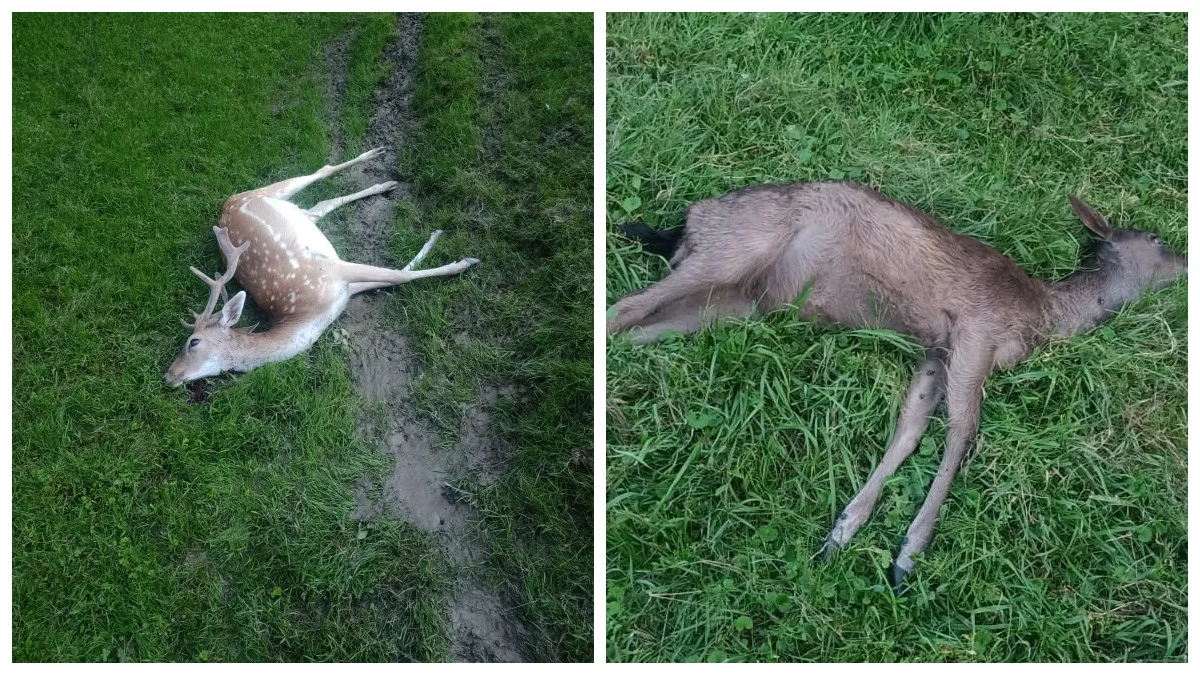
[275, 251]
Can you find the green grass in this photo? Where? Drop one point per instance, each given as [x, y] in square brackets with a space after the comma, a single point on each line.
[145, 528]
[731, 452]
[501, 161]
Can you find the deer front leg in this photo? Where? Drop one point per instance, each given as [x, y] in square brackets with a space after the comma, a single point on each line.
[288, 188]
[924, 394]
[322, 209]
[969, 367]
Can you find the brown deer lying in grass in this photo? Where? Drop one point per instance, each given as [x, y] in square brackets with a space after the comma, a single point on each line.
[275, 251]
[855, 258]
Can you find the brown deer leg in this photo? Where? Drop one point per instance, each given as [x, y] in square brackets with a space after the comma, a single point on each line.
[633, 309]
[691, 313]
[969, 366]
[924, 394]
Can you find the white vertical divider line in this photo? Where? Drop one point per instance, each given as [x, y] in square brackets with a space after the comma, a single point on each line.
[599, 300]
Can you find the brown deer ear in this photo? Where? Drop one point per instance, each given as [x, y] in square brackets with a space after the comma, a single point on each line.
[1091, 218]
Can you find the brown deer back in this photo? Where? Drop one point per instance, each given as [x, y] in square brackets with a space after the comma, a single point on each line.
[859, 259]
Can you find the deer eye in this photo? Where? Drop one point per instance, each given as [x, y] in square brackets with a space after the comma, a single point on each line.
[1155, 240]
[193, 342]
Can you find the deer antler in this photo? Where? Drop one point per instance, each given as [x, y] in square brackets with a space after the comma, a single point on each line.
[217, 287]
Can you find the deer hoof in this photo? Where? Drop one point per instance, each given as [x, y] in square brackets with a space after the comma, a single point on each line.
[470, 261]
[896, 575]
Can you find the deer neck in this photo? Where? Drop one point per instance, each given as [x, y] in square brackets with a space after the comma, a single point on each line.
[284, 340]
[1085, 299]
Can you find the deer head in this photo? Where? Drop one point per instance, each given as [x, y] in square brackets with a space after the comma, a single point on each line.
[209, 350]
[1130, 261]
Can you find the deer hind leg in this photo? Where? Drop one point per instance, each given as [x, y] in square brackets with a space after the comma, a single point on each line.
[969, 367]
[923, 396]
[424, 251]
[691, 313]
[322, 209]
[635, 308]
[286, 189]
[695, 271]
[360, 286]
[367, 277]
[357, 287]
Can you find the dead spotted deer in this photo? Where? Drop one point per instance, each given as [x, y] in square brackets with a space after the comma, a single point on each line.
[275, 251]
[851, 257]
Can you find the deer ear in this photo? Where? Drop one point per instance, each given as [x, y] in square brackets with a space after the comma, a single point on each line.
[232, 311]
[1091, 218]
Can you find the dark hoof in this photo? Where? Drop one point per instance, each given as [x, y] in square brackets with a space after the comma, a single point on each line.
[896, 574]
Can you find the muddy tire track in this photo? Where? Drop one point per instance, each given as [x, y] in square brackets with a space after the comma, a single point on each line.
[484, 623]
[495, 80]
[336, 54]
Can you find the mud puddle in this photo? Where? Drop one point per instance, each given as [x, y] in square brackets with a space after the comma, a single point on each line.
[484, 625]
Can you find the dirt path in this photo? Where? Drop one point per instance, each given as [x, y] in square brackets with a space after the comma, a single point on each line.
[484, 624]
[336, 54]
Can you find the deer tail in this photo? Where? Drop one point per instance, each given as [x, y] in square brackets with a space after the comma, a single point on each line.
[658, 242]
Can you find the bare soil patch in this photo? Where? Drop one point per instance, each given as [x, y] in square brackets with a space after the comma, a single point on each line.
[336, 55]
[420, 489]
